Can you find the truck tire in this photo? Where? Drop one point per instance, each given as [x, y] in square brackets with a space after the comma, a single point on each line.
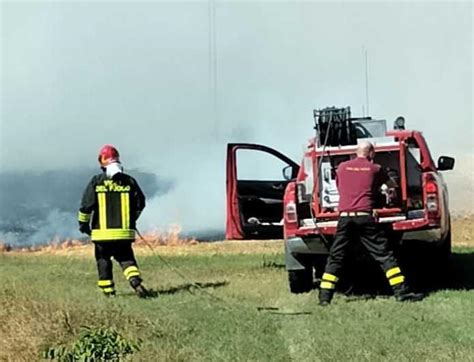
[440, 276]
[446, 246]
[300, 281]
[443, 252]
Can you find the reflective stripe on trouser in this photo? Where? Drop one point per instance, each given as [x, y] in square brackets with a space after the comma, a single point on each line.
[328, 281]
[394, 276]
[131, 271]
[107, 286]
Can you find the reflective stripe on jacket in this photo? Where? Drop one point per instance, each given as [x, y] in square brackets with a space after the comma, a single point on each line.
[112, 206]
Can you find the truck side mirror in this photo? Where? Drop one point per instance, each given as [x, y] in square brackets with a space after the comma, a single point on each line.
[288, 172]
[445, 163]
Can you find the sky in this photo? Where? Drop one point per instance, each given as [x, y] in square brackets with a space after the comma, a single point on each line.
[139, 75]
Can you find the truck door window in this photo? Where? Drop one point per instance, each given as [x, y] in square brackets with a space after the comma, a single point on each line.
[255, 165]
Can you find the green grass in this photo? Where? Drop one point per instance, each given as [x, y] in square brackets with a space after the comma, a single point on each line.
[45, 300]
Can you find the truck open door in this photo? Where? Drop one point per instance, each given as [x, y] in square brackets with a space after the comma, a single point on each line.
[255, 191]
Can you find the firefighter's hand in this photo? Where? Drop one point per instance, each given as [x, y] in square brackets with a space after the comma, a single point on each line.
[85, 228]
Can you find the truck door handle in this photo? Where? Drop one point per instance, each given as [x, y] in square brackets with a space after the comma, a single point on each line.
[277, 187]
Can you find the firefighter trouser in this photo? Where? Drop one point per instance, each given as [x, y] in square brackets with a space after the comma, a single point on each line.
[366, 229]
[122, 252]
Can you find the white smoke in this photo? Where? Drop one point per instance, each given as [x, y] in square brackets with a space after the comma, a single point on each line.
[57, 226]
[197, 200]
[461, 185]
[41, 207]
[139, 76]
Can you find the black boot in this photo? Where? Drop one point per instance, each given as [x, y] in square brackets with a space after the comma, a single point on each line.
[141, 291]
[403, 294]
[137, 285]
[325, 297]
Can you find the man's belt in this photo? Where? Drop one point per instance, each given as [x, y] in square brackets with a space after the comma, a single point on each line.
[355, 213]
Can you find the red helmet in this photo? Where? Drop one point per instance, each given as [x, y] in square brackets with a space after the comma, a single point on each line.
[107, 155]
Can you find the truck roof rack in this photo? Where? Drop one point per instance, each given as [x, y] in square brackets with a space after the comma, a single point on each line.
[334, 127]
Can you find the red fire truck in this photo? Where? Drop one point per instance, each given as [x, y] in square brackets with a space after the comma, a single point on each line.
[302, 206]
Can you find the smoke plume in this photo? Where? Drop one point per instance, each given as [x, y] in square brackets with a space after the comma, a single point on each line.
[41, 207]
[170, 83]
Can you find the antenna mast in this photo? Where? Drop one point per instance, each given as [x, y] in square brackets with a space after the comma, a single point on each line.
[212, 59]
[366, 83]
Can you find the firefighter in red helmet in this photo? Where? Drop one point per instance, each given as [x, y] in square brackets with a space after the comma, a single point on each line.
[110, 207]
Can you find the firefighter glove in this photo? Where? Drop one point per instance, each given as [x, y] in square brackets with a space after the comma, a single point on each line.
[84, 228]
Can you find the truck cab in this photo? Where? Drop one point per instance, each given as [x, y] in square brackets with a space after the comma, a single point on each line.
[301, 205]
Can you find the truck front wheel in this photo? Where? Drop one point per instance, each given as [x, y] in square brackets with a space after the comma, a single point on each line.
[300, 281]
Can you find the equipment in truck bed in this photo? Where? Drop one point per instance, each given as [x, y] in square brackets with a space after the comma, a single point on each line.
[334, 126]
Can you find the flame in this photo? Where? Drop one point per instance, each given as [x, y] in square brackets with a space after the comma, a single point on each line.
[157, 237]
[169, 237]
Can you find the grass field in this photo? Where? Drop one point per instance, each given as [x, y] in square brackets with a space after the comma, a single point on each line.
[45, 298]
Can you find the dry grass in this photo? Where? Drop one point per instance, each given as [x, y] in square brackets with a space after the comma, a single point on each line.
[23, 335]
[171, 243]
[184, 249]
[463, 231]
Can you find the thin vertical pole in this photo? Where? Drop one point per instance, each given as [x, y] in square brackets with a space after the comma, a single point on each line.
[212, 66]
[367, 83]
[214, 42]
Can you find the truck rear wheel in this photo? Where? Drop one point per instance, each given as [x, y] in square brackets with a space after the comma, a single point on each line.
[442, 258]
[300, 281]
[444, 250]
